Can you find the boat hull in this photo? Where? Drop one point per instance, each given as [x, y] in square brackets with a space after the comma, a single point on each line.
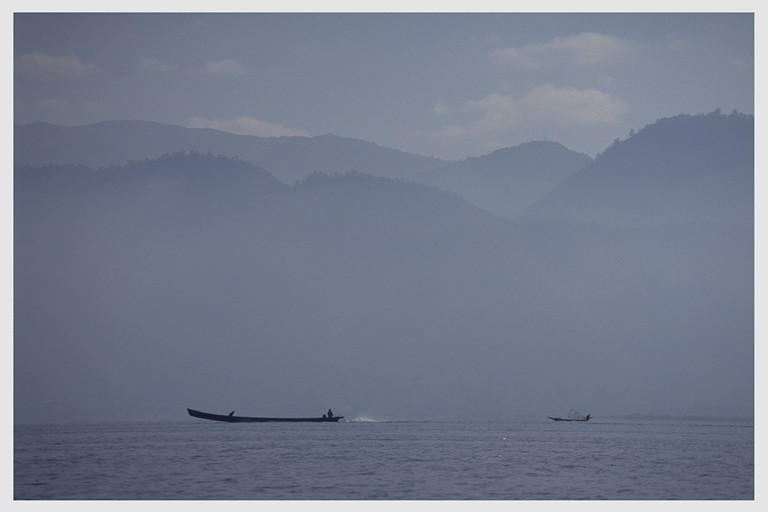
[246, 419]
[563, 419]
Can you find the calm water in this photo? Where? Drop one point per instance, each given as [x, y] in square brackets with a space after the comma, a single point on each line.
[530, 459]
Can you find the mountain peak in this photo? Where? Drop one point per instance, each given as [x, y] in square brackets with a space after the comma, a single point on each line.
[679, 169]
[508, 180]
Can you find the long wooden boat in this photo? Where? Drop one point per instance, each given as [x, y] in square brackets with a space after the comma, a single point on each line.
[585, 418]
[231, 418]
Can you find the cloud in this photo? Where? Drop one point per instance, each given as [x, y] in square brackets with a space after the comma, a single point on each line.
[155, 65]
[246, 126]
[453, 130]
[440, 108]
[585, 49]
[498, 112]
[566, 105]
[53, 66]
[225, 67]
[544, 104]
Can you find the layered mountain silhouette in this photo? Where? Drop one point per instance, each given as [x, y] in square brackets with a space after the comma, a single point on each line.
[685, 168]
[504, 182]
[287, 158]
[679, 169]
[509, 180]
[377, 293]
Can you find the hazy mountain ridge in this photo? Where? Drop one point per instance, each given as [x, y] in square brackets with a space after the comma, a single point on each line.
[504, 182]
[509, 180]
[398, 297]
[287, 158]
[680, 169]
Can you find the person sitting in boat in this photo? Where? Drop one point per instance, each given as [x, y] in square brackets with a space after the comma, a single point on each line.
[325, 416]
[330, 413]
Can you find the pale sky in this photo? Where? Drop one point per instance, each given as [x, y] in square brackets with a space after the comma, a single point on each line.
[443, 85]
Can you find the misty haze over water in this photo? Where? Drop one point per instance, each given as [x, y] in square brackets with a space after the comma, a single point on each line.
[195, 280]
[398, 216]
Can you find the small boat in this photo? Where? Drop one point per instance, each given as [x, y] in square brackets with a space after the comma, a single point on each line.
[231, 418]
[573, 415]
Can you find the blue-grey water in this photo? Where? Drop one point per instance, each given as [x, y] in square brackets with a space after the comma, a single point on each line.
[525, 459]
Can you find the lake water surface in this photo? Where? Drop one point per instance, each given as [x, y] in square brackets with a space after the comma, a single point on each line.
[525, 459]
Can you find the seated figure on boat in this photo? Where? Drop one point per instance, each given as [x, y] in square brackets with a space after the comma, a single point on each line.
[330, 413]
